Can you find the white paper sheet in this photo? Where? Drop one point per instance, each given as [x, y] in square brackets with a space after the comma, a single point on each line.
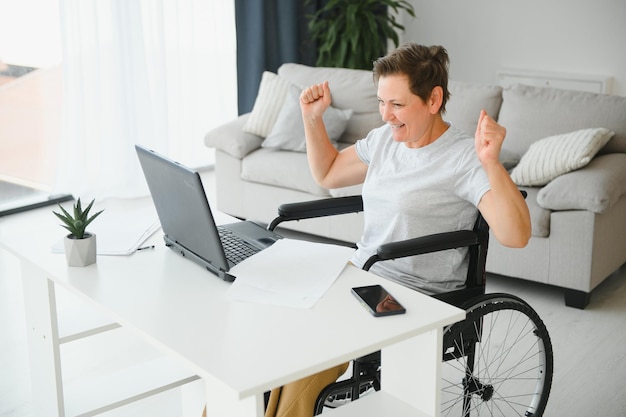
[292, 273]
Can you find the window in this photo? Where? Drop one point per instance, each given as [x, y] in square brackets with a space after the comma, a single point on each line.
[160, 73]
[30, 101]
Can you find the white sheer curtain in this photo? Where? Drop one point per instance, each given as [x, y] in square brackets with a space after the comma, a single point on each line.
[156, 72]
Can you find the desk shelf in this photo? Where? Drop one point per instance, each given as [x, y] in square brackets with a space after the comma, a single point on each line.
[101, 366]
[123, 387]
[113, 369]
[375, 405]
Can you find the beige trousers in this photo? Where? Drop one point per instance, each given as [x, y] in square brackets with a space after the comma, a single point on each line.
[297, 399]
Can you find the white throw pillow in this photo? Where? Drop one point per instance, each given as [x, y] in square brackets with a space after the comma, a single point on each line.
[288, 131]
[269, 100]
[550, 157]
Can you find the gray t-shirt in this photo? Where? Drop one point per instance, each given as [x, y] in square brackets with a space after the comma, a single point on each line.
[409, 193]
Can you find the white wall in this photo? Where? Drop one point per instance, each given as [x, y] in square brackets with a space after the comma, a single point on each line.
[483, 36]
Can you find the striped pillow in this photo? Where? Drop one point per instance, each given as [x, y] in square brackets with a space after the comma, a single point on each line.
[550, 157]
[269, 100]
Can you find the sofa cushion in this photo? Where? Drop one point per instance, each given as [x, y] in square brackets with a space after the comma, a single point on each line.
[269, 100]
[288, 131]
[350, 89]
[531, 113]
[466, 101]
[508, 159]
[230, 138]
[556, 155]
[596, 187]
[282, 169]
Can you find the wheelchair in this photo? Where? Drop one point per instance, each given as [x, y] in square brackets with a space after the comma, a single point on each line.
[496, 362]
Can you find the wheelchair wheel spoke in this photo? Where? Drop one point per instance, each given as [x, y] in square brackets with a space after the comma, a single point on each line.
[498, 361]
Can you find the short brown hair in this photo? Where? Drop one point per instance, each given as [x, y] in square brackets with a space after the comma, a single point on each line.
[426, 67]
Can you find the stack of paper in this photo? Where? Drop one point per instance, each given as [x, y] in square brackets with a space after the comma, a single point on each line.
[292, 273]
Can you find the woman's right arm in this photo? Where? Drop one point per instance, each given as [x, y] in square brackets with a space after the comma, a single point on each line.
[329, 167]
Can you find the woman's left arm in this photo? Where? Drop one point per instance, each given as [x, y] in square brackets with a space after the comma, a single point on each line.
[503, 206]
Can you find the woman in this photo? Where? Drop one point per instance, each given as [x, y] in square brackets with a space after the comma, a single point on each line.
[420, 175]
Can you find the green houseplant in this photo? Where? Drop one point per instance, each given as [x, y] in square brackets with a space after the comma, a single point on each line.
[80, 245]
[353, 33]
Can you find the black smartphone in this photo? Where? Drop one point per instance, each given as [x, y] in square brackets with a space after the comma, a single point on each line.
[378, 301]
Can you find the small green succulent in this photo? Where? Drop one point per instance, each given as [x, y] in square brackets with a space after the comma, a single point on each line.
[77, 223]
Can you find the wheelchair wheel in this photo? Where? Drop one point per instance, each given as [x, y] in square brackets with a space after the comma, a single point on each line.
[496, 362]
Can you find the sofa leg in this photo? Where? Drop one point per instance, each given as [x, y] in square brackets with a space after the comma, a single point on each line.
[577, 299]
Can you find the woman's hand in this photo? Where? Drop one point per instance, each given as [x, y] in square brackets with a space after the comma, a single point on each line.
[489, 137]
[329, 167]
[314, 101]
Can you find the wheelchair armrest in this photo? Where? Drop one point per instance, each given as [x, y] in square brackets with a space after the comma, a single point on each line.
[317, 208]
[425, 244]
[434, 243]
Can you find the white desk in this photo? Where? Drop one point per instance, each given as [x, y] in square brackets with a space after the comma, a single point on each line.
[240, 350]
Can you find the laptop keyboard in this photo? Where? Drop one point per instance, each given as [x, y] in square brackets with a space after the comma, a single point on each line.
[234, 248]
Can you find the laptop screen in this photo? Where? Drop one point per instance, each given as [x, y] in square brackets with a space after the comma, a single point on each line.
[182, 207]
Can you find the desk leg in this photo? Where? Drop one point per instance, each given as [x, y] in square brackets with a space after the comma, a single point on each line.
[411, 371]
[223, 401]
[43, 343]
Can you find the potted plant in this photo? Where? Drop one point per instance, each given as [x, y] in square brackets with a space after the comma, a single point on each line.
[80, 245]
[354, 33]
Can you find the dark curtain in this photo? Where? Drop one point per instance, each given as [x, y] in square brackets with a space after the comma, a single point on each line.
[270, 33]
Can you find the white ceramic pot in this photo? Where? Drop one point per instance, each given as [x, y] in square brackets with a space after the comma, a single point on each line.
[80, 252]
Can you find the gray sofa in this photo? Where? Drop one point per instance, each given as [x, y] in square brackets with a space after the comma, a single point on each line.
[578, 215]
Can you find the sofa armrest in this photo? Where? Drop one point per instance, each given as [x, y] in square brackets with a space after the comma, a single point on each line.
[230, 138]
[595, 187]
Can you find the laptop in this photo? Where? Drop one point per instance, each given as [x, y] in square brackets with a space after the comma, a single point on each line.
[187, 221]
